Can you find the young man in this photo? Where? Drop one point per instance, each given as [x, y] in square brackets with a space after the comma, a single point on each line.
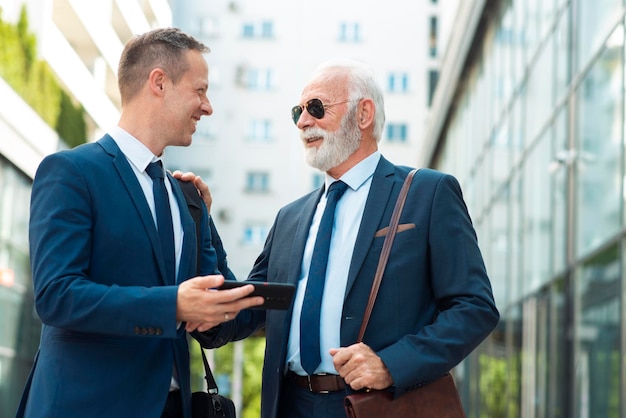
[113, 251]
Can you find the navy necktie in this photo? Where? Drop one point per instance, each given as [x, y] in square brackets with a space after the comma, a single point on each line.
[312, 304]
[164, 218]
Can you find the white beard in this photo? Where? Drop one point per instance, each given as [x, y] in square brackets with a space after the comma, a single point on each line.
[336, 146]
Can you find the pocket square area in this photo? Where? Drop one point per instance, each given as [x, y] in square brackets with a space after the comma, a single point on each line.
[385, 230]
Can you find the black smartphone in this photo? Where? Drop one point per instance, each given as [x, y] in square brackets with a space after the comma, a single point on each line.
[277, 295]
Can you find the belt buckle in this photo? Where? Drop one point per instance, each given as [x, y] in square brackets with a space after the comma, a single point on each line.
[308, 378]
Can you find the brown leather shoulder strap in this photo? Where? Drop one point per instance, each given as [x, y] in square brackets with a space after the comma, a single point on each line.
[384, 254]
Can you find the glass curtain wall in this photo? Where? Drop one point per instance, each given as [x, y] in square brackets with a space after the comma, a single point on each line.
[536, 137]
[19, 326]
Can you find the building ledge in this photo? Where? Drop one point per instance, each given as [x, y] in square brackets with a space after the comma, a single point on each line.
[25, 139]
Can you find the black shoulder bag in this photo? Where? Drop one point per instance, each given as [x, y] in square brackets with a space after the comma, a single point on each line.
[208, 404]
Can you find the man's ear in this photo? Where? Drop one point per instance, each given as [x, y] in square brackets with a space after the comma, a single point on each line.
[365, 113]
[156, 80]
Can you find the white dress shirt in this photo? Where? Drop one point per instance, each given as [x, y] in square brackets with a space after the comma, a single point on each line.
[139, 156]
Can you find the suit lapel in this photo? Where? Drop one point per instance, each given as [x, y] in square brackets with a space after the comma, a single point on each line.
[305, 216]
[300, 237]
[377, 202]
[135, 193]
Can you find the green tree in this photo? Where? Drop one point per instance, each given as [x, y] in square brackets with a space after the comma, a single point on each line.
[254, 350]
[493, 375]
[33, 79]
[71, 122]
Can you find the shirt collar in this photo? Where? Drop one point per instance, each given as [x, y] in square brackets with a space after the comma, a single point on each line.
[359, 174]
[137, 153]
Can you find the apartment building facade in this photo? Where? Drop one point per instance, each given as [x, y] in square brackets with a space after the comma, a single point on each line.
[262, 54]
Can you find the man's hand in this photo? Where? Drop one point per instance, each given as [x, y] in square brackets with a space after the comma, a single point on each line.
[202, 307]
[203, 188]
[361, 368]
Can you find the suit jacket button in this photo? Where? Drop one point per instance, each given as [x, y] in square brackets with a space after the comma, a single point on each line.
[137, 330]
[144, 331]
[159, 331]
[151, 331]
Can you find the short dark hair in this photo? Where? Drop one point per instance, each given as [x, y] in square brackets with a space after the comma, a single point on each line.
[160, 48]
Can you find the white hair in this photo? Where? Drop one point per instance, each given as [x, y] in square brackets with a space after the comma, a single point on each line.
[361, 85]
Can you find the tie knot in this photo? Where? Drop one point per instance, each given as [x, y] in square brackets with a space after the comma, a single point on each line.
[338, 188]
[155, 170]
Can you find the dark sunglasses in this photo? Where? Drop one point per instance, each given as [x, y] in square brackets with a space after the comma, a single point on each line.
[315, 107]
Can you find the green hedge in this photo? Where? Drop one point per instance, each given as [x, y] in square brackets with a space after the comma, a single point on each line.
[33, 79]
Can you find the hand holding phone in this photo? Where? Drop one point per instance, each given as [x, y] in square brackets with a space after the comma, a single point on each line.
[276, 295]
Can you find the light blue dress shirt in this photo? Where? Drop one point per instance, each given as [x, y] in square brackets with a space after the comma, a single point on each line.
[348, 216]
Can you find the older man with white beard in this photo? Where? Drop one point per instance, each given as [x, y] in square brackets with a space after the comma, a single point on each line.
[435, 303]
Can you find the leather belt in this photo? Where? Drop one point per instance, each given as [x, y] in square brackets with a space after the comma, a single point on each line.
[318, 383]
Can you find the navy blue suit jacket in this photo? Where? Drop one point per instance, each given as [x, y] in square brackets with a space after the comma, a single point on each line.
[435, 302]
[110, 340]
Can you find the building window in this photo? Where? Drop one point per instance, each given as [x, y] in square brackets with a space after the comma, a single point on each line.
[433, 77]
[254, 234]
[258, 30]
[260, 130]
[255, 78]
[257, 182]
[20, 328]
[598, 347]
[260, 79]
[248, 30]
[267, 29]
[203, 172]
[398, 82]
[349, 32]
[397, 132]
[432, 37]
[205, 131]
[208, 28]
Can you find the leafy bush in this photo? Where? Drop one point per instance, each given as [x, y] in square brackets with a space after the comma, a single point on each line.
[33, 79]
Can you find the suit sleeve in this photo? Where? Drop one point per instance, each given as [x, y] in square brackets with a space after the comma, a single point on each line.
[247, 321]
[466, 311]
[63, 215]
[216, 241]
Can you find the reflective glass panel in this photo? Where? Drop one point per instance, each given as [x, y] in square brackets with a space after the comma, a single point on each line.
[537, 219]
[597, 363]
[599, 132]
